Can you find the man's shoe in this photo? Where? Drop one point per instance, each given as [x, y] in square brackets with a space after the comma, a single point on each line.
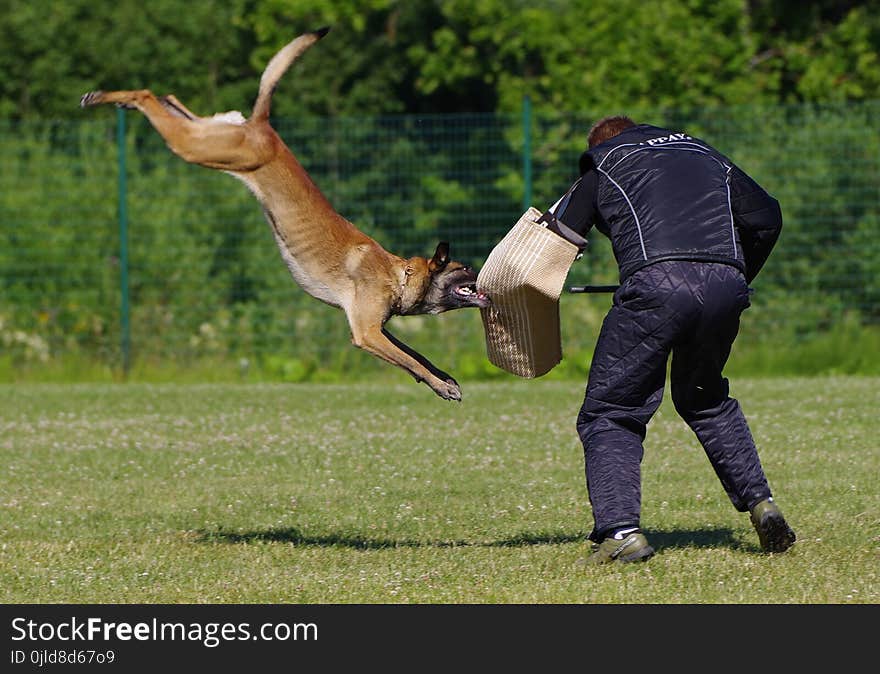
[773, 531]
[631, 548]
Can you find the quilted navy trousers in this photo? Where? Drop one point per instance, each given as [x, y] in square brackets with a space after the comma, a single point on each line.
[690, 310]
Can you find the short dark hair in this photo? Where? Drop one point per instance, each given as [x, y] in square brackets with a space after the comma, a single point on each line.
[606, 128]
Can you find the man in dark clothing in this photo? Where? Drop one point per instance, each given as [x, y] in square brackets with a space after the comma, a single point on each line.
[689, 231]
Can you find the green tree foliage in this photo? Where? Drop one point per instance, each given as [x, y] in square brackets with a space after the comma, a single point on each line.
[585, 55]
[441, 56]
[817, 51]
[361, 68]
[55, 50]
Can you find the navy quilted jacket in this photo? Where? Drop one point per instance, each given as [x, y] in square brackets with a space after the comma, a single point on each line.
[664, 195]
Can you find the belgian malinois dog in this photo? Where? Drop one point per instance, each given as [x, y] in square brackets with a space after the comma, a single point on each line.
[327, 255]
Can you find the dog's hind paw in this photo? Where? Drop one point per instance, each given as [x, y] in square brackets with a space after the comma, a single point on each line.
[90, 98]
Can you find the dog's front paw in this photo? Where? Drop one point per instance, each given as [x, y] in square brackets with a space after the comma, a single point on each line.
[91, 98]
[448, 390]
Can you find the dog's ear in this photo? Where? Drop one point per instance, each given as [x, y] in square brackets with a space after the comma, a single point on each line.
[441, 257]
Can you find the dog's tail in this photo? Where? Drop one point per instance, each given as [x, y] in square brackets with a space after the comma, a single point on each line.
[278, 66]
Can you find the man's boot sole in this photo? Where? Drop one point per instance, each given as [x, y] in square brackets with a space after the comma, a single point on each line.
[775, 534]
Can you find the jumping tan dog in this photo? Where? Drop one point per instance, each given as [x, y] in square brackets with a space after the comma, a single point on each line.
[327, 255]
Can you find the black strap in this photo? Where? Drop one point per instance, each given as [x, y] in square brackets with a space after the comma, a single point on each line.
[550, 221]
[559, 228]
[563, 203]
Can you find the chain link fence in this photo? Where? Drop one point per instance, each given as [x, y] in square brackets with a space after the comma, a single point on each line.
[115, 255]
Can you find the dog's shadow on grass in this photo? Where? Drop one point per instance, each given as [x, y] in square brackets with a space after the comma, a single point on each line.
[701, 538]
[294, 536]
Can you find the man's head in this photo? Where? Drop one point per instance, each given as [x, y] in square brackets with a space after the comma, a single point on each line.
[607, 128]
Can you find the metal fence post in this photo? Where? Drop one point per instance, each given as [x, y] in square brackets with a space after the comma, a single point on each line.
[527, 151]
[124, 319]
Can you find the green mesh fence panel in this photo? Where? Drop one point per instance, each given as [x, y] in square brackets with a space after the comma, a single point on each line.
[207, 283]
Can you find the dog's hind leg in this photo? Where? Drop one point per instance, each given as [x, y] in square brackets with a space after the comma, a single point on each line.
[198, 140]
[176, 107]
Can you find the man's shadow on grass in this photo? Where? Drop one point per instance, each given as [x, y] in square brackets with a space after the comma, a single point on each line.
[710, 537]
[661, 540]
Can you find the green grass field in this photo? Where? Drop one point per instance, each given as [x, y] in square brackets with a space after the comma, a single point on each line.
[383, 493]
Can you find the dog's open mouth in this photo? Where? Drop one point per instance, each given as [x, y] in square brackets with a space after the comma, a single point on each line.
[469, 293]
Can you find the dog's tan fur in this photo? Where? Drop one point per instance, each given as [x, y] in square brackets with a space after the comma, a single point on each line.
[327, 255]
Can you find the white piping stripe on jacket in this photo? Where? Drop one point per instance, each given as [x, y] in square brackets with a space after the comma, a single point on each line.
[668, 147]
[645, 146]
[674, 145]
[730, 210]
[633, 210]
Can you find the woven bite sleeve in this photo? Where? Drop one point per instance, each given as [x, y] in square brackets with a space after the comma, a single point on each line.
[524, 276]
